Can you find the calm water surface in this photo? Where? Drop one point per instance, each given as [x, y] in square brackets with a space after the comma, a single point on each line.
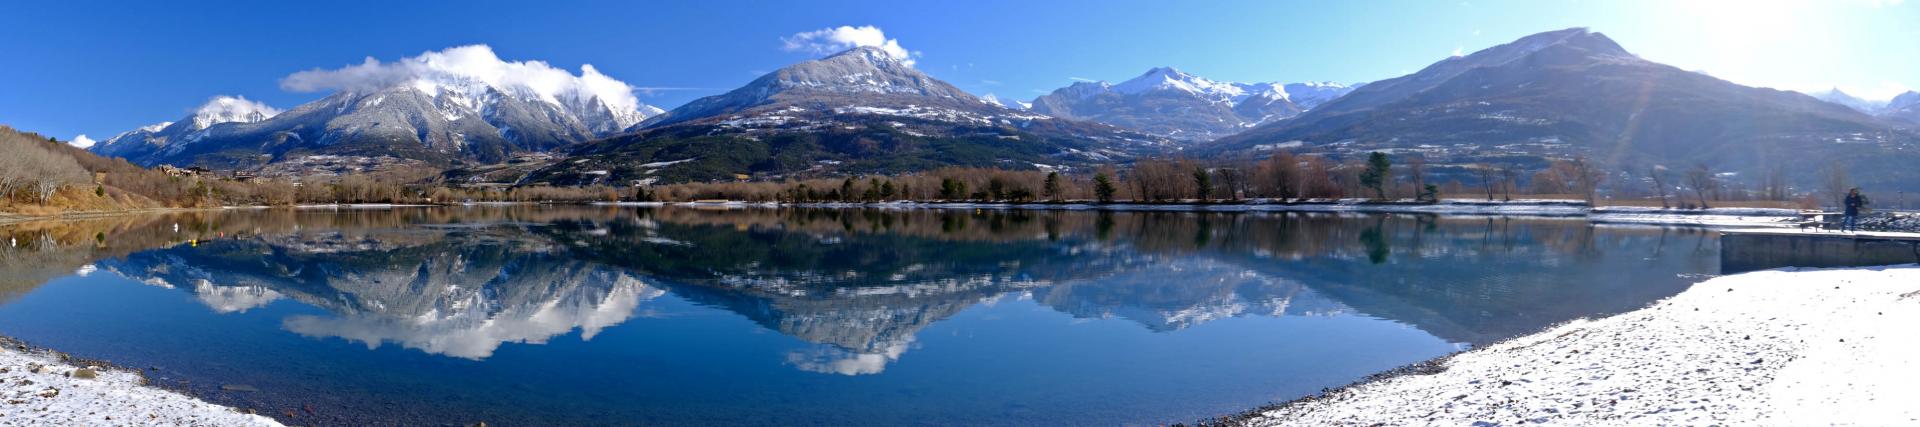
[677, 316]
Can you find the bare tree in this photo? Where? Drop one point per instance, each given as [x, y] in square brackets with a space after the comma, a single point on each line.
[1586, 177]
[1659, 175]
[1231, 180]
[1317, 179]
[1488, 174]
[1279, 176]
[1701, 179]
[1163, 179]
[1417, 171]
[1835, 181]
[28, 162]
[1507, 182]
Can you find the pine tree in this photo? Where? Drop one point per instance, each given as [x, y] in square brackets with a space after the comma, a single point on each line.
[1052, 186]
[1103, 188]
[1378, 172]
[1202, 183]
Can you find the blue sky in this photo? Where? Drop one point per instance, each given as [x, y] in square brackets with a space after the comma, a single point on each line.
[99, 68]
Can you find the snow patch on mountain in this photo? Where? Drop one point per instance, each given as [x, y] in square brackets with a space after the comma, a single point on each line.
[1006, 103]
[231, 109]
[1168, 78]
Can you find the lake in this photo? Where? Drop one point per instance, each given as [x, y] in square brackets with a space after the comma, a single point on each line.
[597, 315]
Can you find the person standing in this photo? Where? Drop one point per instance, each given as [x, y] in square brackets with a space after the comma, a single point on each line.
[1854, 203]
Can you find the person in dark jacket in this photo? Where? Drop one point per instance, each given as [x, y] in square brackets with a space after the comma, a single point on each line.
[1854, 203]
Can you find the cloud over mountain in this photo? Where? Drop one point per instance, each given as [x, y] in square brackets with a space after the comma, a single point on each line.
[832, 40]
[472, 65]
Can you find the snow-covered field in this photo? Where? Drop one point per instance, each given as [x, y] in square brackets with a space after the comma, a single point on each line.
[39, 389]
[1778, 347]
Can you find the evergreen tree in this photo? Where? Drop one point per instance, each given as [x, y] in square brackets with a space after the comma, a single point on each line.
[1378, 172]
[1202, 183]
[1103, 188]
[1052, 187]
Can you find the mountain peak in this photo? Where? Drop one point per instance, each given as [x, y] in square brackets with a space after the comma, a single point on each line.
[229, 109]
[1578, 39]
[1169, 78]
[870, 76]
[871, 53]
[1904, 100]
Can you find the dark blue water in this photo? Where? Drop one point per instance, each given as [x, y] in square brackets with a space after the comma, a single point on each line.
[589, 316]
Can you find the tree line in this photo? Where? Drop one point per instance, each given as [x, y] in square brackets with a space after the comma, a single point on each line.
[41, 171]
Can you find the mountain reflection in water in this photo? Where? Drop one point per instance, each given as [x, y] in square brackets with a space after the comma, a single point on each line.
[860, 285]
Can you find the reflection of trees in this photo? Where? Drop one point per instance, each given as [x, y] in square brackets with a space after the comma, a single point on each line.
[1376, 244]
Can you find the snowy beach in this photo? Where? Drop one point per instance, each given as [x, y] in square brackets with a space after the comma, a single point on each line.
[1780, 347]
[42, 388]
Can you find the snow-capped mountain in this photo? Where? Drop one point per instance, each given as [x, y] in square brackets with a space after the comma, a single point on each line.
[1006, 103]
[859, 78]
[144, 140]
[459, 104]
[1904, 100]
[1834, 95]
[1311, 94]
[1170, 102]
[862, 110]
[1904, 109]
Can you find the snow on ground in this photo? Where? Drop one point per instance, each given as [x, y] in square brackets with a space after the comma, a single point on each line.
[39, 389]
[1779, 347]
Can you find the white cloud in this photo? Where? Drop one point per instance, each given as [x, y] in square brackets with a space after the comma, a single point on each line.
[81, 141]
[1082, 79]
[1457, 51]
[465, 68]
[832, 40]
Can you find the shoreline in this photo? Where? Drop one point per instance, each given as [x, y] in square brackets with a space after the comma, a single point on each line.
[1549, 208]
[1774, 347]
[47, 387]
[9, 218]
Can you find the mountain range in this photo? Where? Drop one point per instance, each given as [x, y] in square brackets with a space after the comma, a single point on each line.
[433, 115]
[1577, 93]
[1902, 108]
[1551, 95]
[1169, 102]
[859, 111]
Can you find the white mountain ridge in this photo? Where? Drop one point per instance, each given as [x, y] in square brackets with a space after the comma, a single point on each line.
[1170, 102]
[463, 102]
